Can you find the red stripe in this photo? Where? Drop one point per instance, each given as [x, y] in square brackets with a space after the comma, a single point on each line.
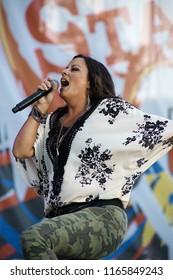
[8, 202]
[6, 251]
[30, 194]
[138, 253]
[5, 158]
[170, 156]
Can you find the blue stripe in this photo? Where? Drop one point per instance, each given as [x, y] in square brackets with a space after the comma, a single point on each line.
[28, 213]
[7, 183]
[171, 199]
[155, 168]
[10, 234]
[130, 213]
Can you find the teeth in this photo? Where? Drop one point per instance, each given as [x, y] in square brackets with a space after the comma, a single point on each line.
[64, 82]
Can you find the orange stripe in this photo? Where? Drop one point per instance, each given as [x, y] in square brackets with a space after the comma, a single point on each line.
[170, 156]
[30, 194]
[8, 202]
[138, 253]
[5, 158]
[6, 251]
[140, 218]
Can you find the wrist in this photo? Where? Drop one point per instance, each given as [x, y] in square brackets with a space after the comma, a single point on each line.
[37, 115]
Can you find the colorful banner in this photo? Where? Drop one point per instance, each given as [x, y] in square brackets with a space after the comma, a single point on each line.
[134, 39]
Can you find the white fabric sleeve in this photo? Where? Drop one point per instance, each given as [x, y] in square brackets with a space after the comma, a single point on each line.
[151, 135]
[32, 169]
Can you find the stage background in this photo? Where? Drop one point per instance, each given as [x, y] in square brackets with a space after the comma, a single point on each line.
[134, 39]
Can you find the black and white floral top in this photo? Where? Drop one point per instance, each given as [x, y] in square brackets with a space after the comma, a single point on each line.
[101, 156]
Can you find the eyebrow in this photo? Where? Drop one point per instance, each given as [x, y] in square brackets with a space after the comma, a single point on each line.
[74, 65]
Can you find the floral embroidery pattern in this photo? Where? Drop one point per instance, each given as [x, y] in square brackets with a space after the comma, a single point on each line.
[55, 201]
[42, 184]
[126, 188]
[150, 133]
[141, 161]
[93, 165]
[92, 198]
[113, 107]
[23, 162]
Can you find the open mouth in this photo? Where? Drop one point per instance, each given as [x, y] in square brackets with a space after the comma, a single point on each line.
[64, 82]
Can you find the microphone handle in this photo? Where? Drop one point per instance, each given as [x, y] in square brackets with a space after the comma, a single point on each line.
[30, 99]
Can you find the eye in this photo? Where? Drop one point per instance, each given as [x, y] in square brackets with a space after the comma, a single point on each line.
[74, 69]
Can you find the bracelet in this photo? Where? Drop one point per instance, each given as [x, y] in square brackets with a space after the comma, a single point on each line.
[37, 115]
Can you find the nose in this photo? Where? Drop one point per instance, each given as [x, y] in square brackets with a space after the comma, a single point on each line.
[65, 72]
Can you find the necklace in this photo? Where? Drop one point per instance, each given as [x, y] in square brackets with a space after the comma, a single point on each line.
[65, 129]
[62, 135]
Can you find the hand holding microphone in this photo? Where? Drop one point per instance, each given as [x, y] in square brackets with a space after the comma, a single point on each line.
[43, 90]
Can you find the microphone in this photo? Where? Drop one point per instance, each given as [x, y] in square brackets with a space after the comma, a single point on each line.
[33, 97]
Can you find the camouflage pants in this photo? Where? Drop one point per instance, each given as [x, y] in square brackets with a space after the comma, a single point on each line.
[91, 233]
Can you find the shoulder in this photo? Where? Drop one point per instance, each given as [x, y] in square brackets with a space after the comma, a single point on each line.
[116, 105]
[116, 101]
[111, 109]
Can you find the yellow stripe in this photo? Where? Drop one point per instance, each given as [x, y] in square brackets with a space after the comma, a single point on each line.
[4, 41]
[146, 71]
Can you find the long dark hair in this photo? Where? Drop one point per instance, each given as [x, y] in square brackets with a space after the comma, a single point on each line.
[101, 83]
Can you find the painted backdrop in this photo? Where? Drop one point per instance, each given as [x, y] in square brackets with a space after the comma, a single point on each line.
[134, 39]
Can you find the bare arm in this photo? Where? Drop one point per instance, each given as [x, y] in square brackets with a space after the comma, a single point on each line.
[23, 146]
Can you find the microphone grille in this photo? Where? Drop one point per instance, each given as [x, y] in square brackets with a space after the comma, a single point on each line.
[55, 82]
